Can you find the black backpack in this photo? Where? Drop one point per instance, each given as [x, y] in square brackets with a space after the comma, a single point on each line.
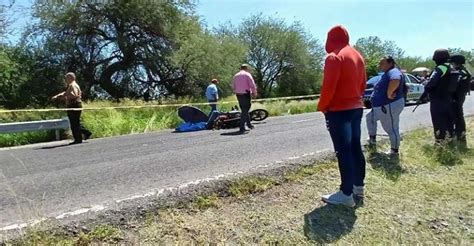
[454, 78]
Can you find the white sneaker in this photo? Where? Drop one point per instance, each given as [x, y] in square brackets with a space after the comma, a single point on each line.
[358, 191]
[392, 153]
[339, 198]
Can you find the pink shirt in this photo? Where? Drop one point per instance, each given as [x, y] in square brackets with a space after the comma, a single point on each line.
[243, 82]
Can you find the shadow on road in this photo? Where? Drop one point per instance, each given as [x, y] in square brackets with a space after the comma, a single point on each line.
[60, 146]
[329, 223]
[236, 133]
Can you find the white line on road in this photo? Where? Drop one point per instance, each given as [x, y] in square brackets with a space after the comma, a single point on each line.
[97, 208]
[299, 121]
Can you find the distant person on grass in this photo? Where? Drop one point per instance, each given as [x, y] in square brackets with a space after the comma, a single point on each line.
[72, 96]
[341, 102]
[244, 88]
[388, 102]
[212, 94]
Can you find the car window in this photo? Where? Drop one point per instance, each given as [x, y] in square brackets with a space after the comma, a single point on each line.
[374, 80]
[413, 79]
[407, 79]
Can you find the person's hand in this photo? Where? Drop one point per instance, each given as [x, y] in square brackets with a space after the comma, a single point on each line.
[57, 96]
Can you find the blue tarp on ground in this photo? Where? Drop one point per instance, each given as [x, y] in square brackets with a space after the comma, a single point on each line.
[190, 127]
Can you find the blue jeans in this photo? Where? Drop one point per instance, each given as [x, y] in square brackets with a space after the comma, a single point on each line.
[213, 104]
[344, 128]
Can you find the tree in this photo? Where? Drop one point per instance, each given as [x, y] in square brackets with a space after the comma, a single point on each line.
[120, 48]
[279, 53]
[373, 49]
[204, 55]
[469, 55]
[409, 63]
[4, 21]
[28, 76]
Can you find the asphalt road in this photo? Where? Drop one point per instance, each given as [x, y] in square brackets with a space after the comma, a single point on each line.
[46, 180]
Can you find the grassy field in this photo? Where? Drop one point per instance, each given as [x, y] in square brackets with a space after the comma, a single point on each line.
[114, 122]
[424, 197]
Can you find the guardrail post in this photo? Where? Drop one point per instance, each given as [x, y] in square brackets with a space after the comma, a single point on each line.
[57, 134]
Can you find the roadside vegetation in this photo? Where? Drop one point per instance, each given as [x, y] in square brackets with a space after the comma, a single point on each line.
[424, 197]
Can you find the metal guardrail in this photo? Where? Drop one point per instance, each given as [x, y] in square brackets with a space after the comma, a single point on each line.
[15, 127]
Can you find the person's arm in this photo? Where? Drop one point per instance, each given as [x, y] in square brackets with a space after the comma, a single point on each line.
[75, 92]
[392, 87]
[431, 84]
[233, 84]
[434, 79]
[332, 73]
[395, 77]
[215, 93]
[58, 95]
[252, 86]
[363, 85]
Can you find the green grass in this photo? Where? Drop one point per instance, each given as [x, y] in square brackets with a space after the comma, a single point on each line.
[100, 234]
[250, 185]
[114, 122]
[205, 202]
[424, 197]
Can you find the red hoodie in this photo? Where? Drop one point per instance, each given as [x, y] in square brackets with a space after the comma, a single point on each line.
[344, 74]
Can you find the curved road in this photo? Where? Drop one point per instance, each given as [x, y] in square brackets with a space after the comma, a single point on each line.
[46, 180]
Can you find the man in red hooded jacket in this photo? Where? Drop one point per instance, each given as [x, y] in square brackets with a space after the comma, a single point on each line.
[341, 102]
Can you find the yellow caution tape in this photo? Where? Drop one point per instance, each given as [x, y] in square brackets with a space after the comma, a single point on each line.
[153, 106]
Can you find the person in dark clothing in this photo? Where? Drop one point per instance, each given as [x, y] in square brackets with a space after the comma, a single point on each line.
[441, 100]
[72, 97]
[459, 97]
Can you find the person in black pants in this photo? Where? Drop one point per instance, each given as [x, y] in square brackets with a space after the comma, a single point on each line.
[441, 99]
[72, 97]
[244, 88]
[245, 103]
[462, 89]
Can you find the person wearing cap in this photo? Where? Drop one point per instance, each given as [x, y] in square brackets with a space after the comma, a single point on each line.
[72, 96]
[459, 97]
[387, 102]
[244, 88]
[212, 94]
[341, 102]
[441, 100]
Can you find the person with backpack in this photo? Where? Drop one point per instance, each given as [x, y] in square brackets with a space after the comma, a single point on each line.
[388, 101]
[459, 97]
[440, 89]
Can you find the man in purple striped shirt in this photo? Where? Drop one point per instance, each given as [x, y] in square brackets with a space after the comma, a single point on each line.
[245, 88]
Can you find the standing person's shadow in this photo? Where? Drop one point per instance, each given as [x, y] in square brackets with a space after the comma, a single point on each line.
[389, 164]
[329, 223]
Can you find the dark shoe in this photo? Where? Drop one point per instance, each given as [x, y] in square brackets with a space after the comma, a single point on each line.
[87, 136]
[251, 127]
[75, 142]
